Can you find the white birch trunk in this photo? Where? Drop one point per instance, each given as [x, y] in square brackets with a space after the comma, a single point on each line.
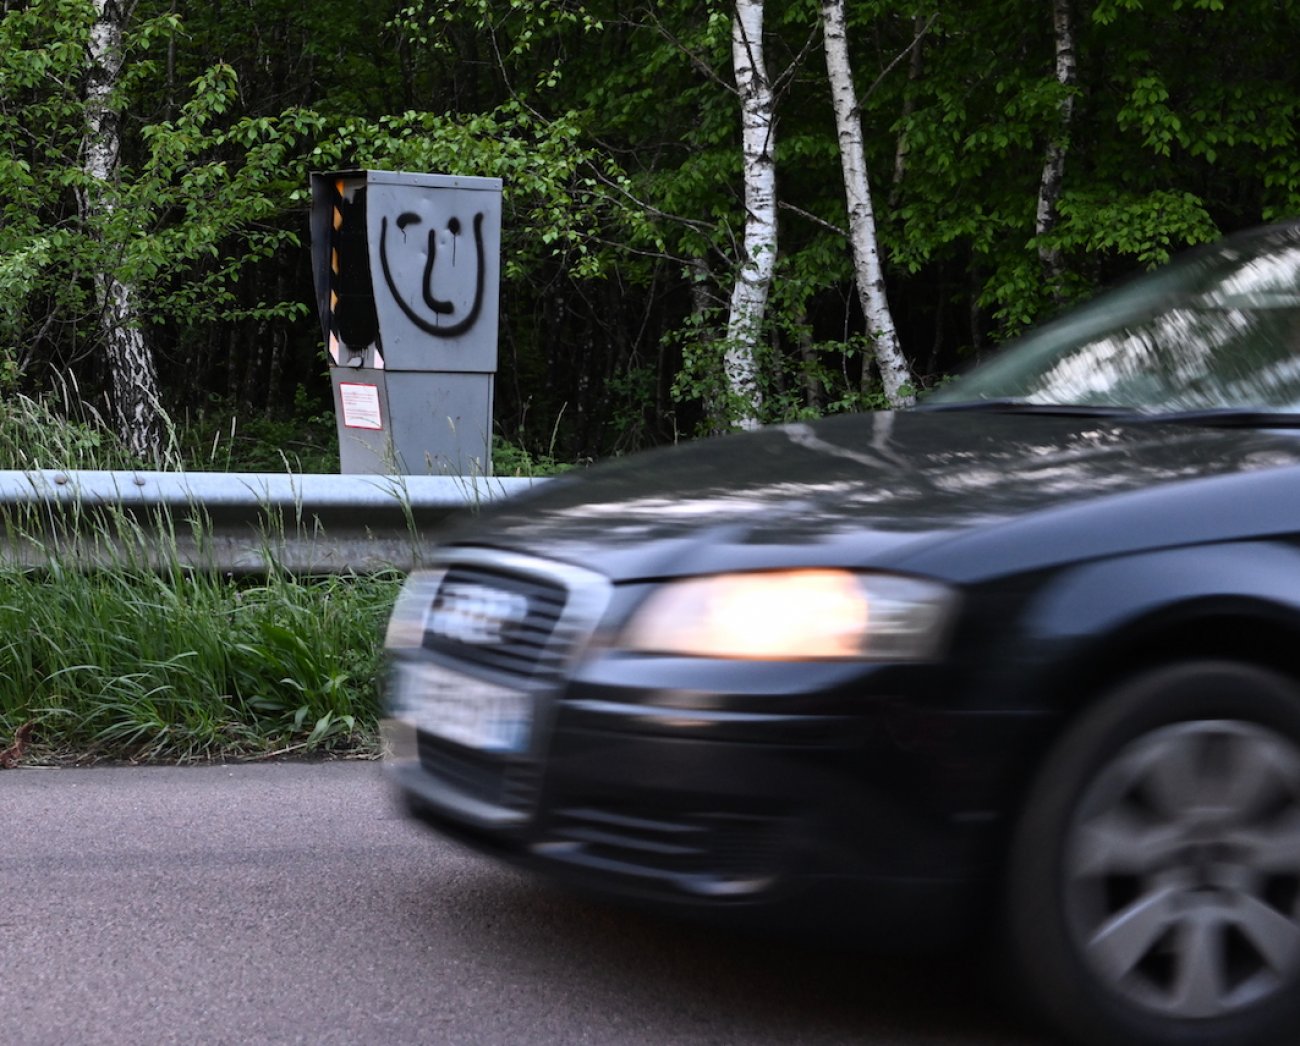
[754, 276]
[133, 373]
[862, 220]
[1049, 185]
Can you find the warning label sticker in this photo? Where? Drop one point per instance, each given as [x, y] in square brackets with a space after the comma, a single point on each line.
[360, 405]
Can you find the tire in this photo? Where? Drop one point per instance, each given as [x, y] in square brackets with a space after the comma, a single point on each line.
[1153, 881]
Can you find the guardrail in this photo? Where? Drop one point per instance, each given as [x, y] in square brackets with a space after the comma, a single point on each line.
[236, 523]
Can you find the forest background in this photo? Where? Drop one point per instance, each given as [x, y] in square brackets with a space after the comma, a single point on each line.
[154, 190]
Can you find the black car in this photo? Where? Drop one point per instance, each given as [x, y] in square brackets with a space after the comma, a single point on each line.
[1021, 664]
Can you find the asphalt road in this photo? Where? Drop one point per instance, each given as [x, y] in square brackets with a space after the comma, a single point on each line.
[290, 903]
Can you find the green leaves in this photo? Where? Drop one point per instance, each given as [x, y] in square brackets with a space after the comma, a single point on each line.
[198, 202]
[124, 664]
[615, 130]
[1148, 228]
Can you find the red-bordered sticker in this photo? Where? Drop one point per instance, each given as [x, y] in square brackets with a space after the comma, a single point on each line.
[360, 405]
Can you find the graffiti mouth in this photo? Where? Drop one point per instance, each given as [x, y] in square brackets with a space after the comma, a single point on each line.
[438, 306]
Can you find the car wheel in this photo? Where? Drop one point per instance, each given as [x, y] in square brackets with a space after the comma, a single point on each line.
[1153, 882]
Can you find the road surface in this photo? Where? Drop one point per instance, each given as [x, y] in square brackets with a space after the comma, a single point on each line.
[290, 903]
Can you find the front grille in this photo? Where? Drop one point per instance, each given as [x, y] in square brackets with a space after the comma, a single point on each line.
[507, 782]
[498, 621]
[515, 622]
[510, 615]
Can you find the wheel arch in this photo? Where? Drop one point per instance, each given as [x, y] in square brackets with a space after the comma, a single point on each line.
[1250, 631]
[1103, 624]
[1089, 627]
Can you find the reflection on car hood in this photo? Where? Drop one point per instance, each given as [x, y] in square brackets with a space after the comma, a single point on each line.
[882, 489]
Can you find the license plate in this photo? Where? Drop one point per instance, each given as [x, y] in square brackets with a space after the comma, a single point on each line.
[463, 709]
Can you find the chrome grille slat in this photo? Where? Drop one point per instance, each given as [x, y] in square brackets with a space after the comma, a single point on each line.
[488, 634]
[650, 847]
[524, 645]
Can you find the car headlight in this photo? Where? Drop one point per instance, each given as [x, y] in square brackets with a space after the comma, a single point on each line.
[793, 615]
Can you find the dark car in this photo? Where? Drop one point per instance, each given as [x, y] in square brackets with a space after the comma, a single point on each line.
[1021, 664]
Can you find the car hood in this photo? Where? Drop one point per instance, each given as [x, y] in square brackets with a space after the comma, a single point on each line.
[958, 494]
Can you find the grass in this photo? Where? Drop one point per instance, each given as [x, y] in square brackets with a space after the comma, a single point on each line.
[36, 435]
[144, 666]
[146, 660]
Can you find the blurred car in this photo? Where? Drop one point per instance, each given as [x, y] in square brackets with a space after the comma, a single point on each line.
[1022, 663]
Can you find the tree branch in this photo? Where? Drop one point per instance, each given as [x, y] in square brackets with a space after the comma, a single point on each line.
[916, 42]
[828, 226]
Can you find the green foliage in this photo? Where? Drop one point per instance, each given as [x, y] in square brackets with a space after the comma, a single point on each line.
[790, 363]
[125, 664]
[188, 214]
[1184, 126]
[515, 26]
[35, 435]
[1148, 228]
[615, 130]
[514, 459]
[702, 378]
[222, 438]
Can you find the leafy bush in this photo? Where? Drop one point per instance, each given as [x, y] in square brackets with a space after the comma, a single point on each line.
[224, 439]
[514, 459]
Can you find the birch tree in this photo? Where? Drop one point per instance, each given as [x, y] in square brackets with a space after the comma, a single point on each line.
[758, 256]
[133, 375]
[868, 274]
[1049, 186]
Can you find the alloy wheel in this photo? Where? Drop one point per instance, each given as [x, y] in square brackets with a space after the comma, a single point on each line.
[1182, 869]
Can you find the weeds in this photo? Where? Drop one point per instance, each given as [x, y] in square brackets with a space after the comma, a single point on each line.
[113, 647]
[132, 665]
[514, 459]
[34, 435]
[146, 658]
[218, 439]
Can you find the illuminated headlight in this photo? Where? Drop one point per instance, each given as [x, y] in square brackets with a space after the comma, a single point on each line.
[793, 615]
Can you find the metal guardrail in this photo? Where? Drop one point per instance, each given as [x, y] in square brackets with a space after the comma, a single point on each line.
[236, 523]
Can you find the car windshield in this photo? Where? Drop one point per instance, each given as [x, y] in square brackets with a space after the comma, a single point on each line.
[1216, 331]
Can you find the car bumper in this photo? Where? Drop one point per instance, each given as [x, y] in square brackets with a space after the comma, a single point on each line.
[823, 821]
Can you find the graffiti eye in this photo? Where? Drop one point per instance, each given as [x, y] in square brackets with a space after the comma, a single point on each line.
[453, 226]
[407, 218]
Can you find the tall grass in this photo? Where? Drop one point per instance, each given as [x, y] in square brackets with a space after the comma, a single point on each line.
[147, 659]
[140, 665]
[40, 434]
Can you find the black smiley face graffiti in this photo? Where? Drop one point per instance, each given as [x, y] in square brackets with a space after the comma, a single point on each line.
[468, 305]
